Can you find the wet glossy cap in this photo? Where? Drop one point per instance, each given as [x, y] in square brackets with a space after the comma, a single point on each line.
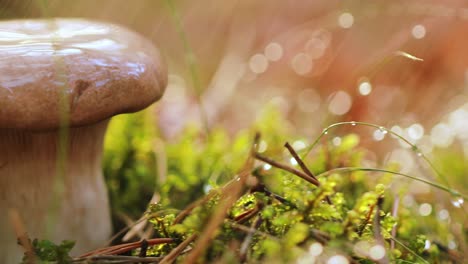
[94, 69]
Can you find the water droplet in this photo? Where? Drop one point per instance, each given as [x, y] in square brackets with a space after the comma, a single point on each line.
[458, 202]
[325, 131]
[353, 123]
[419, 154]
[207, 188]
[293, 161]
[427, 244]
[266, 166]
[383, 130]
[237, 178]
[262, 147]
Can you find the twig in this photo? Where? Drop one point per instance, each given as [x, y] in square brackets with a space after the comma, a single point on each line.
[22, 235]
[229, 197]
[304, 167]
[123, 230]
[169, 258]
[248, 239]
[396, 203]
[122, 248]
[118, 259]
[455, 256]
[366, 221]
[144, 247]
[300, 162]
[195, 204]
[287, 168]
[377, 230]
[421, 259]
[247, 215]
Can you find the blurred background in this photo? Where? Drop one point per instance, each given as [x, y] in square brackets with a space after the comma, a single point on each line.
[400, 64]
[319, 61]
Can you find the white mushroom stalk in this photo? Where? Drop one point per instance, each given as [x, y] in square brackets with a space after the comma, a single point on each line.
[28, 179]
[100, 70]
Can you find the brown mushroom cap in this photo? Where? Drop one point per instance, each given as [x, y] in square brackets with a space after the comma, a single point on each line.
[100, 69]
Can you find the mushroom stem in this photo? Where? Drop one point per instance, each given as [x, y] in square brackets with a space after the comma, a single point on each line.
[78, 211]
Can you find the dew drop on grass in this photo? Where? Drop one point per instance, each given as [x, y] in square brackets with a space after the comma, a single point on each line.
[207, 188]
[353, 123]
[427, 244]
[458, 202]
[383, 130]
[293, 161]
[325, 131]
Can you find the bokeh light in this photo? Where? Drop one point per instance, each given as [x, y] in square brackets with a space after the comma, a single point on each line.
[302, 63]
[315, 249]
[365, 88]
[340, 103]
[274, 51]
[425, 209]
[346, 20]
[338, 259]
[418, 31]
[309, 100]
[377, 252]
[258, 63]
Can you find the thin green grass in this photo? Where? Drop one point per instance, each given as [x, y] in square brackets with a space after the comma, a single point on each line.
[414, 147]
[191, 63]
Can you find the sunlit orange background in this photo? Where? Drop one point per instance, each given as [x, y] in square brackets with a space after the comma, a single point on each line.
[399, 64]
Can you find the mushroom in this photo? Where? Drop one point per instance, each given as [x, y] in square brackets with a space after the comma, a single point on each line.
[61, 80]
